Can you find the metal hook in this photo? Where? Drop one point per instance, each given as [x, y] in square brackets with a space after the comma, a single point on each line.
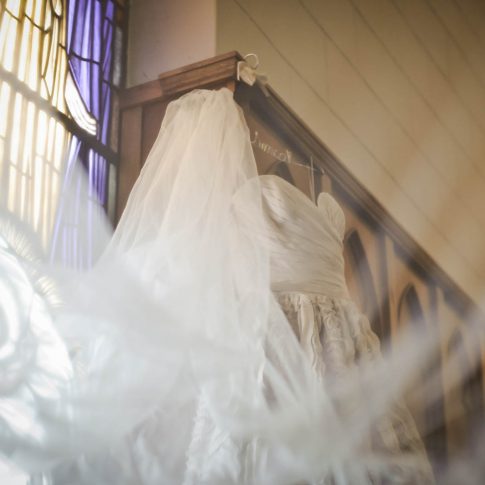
[246, 71]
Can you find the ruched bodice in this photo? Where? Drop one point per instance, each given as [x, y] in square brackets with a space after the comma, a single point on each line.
[304, 240]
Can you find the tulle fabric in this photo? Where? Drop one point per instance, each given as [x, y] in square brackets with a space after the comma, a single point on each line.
[171, 361]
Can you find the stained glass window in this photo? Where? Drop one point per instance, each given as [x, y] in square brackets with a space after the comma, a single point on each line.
[60, 71]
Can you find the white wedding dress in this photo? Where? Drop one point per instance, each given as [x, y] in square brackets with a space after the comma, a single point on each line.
[307, 278]
[213, 342]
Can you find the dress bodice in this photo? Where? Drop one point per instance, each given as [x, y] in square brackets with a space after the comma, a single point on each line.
[304, 240]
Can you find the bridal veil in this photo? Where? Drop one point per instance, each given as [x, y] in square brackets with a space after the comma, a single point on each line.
[176, 320]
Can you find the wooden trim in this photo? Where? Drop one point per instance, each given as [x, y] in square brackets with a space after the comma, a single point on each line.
[211, 72]
[143, 93]
[130, 153]
[217, 70]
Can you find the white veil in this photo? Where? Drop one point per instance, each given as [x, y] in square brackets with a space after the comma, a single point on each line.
[177, 304]
[179, 308]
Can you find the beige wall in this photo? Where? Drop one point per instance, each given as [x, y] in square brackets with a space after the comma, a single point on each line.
[167, 34]
[396, 89]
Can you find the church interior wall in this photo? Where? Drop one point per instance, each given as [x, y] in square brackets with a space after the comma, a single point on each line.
[396, 90]
[165, 35]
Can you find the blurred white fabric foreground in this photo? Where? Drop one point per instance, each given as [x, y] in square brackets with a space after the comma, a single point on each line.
[212, 342]
[12, 476]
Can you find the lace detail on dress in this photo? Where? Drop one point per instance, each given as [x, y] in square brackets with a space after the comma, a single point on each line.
[339, 342]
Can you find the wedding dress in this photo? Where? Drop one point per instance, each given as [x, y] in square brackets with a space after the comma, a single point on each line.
[307, 277]
[213, 342]
[305, 244]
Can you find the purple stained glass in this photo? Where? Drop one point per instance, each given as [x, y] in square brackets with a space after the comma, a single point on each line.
[90, 42]
[90, 34]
